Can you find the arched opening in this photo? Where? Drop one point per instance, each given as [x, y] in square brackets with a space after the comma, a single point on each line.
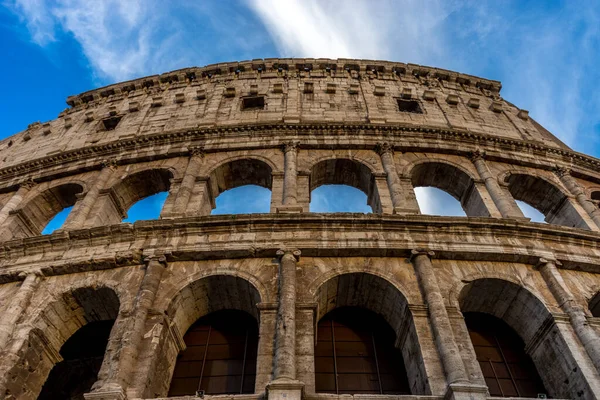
[82, 357]
[35, 216]
[147, 208]
[507, 369]
[451, 180]
[540, 339]
[595, 305]
[434, 201]
[242, 187]
[335, 172]
[228, 304]
[57, 221]
[68, 341]
[546, 198]
[355, 353]
[338, 198]
[374, 303]
[530, 212]
[146, 191]
[220, 357]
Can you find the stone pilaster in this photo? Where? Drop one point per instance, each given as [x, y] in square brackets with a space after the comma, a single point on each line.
[186, 187]
[505, 204]
[113, 380]
[566, 301]
[459, 386]
[284, 384]
[15, 200]
[590, 208]
[17, 305]
[290, 179]
[79, 216]
[399, 203]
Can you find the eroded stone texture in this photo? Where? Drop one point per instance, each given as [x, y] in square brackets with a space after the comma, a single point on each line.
[290, 126]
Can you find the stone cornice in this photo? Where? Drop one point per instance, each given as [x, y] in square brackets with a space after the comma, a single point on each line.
[311, 68]
[76, 161]
[483, 239]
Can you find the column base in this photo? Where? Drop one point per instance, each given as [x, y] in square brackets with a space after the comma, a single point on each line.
[109, 394]
[466, 391]
[285, 389]
[405, 211]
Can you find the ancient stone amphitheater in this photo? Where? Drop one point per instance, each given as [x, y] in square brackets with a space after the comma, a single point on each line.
[292, 304]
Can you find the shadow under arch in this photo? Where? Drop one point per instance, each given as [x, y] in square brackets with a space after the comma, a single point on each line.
[453, 180]
[140, 185]
[199, 298]
[531, 320]
[594, 305]
[32, 218]
[237, 173]
[345, 171]
[373, 293]
[56, 341]
[545, 196]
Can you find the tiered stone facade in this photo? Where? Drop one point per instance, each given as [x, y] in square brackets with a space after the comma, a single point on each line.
[291, 125]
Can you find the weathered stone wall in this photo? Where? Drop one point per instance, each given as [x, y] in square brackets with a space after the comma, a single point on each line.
[323, 122]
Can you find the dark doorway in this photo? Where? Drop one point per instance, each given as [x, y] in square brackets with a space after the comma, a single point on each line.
[220, 357]
[82, 357]
[355, 353]
[507, 369]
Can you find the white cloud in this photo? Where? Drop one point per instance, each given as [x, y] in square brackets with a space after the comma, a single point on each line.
[128, 39]
[354, 29]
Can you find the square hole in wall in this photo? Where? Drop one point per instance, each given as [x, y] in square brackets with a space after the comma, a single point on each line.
[411, 106]
[110, 124]
[253, 103]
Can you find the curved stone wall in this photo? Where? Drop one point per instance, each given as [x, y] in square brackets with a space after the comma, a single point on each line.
[290, 126]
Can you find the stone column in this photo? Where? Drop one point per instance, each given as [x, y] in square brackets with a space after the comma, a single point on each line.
[386, 152]
[186, 188]
[115, 380]
[290, 194]
[290, 179]
[459, 387]
[440, 322]
[15, 200]
[81, 211]
[567, 179]
[566, 301]
[505, 204]
[17, 305]
[284, 384]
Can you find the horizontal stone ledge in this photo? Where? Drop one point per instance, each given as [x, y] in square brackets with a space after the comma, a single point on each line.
[149, 143]
[207, 238]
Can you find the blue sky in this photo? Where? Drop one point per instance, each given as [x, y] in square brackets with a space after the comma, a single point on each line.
[545, 52]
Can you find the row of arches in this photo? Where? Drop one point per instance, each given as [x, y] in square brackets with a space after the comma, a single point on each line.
[367, 341]
[332, 185]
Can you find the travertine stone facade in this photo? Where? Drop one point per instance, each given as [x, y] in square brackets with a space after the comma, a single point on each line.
[291, 125]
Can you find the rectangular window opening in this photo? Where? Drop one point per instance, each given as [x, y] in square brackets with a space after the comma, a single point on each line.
[111, 123]
[253, 103]
[411, 106]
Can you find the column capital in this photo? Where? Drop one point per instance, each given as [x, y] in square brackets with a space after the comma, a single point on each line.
[292, 145]
[562, 171]
[109, 163]
[384, 147]
[544, 261]
[281, 253]
[477, 155]
[197, 151]
[421, 252]
[36, 273]
[27, 184]
[157, 258]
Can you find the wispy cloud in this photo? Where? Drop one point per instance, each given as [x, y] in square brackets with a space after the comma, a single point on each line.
[128, 39]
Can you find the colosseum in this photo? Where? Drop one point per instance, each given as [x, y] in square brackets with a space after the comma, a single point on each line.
[293, 304]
